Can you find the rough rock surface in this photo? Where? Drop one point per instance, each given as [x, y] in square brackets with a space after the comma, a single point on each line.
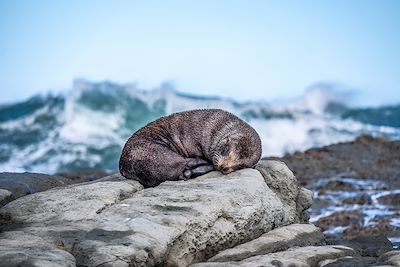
[391, 258]
[282, 180]
[20, 249]
[5, 197]
[21, 184]
[114, 222]
[302, 256]
[351, 158]
[351, 261]
[279, 239]
[356, 188]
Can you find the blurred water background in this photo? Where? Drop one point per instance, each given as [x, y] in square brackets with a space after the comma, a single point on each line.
[85, 128]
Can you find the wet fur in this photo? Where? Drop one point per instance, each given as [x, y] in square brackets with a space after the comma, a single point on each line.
[188, 144]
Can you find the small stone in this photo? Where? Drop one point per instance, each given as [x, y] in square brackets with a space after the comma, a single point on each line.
[392, 199]
[362, 199]
[342, 218]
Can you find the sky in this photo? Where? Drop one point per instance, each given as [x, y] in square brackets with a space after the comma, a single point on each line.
[245, 50]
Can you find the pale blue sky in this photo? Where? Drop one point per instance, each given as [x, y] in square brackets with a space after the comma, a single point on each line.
[240, 49]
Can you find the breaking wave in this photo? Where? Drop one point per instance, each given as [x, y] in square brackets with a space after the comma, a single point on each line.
[86, 128]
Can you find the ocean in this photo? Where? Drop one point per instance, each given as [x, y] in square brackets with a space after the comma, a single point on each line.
[84, 129]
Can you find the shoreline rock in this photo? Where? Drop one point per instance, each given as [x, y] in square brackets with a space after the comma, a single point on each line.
[251, 217]
[300, 256]
[278, 239]
[356, 187]
[366, 157]
[213, 220]
[21, 184]
[115, 222]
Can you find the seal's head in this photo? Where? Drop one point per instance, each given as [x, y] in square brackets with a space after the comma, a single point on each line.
[237, 151]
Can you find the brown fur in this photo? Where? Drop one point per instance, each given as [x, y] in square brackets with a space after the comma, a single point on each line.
[188, 144]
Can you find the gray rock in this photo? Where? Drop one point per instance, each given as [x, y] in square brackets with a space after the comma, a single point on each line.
[21, 184]
[391, 258]
[350, 261]
[304, 201]
[20, 249]
[72, 203]
[5, 197]
[283, 182]
[367, 246]
[113, 222]
[278, 239]
[301, 256]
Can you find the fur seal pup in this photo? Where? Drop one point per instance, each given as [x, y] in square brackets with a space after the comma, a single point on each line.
[187, 144]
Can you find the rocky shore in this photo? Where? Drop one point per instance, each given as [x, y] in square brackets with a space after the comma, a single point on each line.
[115, 222]
[16, 185]
[366, 157]
[356, 189]
[252, 217]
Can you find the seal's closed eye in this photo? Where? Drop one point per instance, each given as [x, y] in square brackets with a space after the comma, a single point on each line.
[225, 150]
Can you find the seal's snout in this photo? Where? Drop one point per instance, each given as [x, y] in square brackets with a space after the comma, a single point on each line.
[226, 170]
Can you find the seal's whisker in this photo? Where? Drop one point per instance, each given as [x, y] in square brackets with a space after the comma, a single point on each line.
[217, 158]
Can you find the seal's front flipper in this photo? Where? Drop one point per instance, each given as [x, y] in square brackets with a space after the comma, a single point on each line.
[201, 170]
[195, 162]
[187, 174]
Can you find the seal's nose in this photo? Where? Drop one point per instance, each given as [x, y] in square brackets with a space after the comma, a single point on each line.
[226, 170]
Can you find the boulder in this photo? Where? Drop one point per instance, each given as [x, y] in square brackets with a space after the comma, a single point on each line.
[282, 181]
[115, 222]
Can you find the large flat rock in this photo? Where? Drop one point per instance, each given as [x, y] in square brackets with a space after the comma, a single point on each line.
[21, 184]
[20, 249]
[114, 222]
[279, 239]
[299, 257]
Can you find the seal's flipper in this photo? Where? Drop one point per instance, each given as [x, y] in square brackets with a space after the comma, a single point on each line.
[195, 162]
[186, 175]
[201, 170]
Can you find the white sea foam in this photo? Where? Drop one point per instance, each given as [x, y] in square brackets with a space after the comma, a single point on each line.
[91, 127]
[83, 134]
[306, 131]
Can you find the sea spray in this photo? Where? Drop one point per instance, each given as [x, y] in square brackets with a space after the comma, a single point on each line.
[85, 128]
